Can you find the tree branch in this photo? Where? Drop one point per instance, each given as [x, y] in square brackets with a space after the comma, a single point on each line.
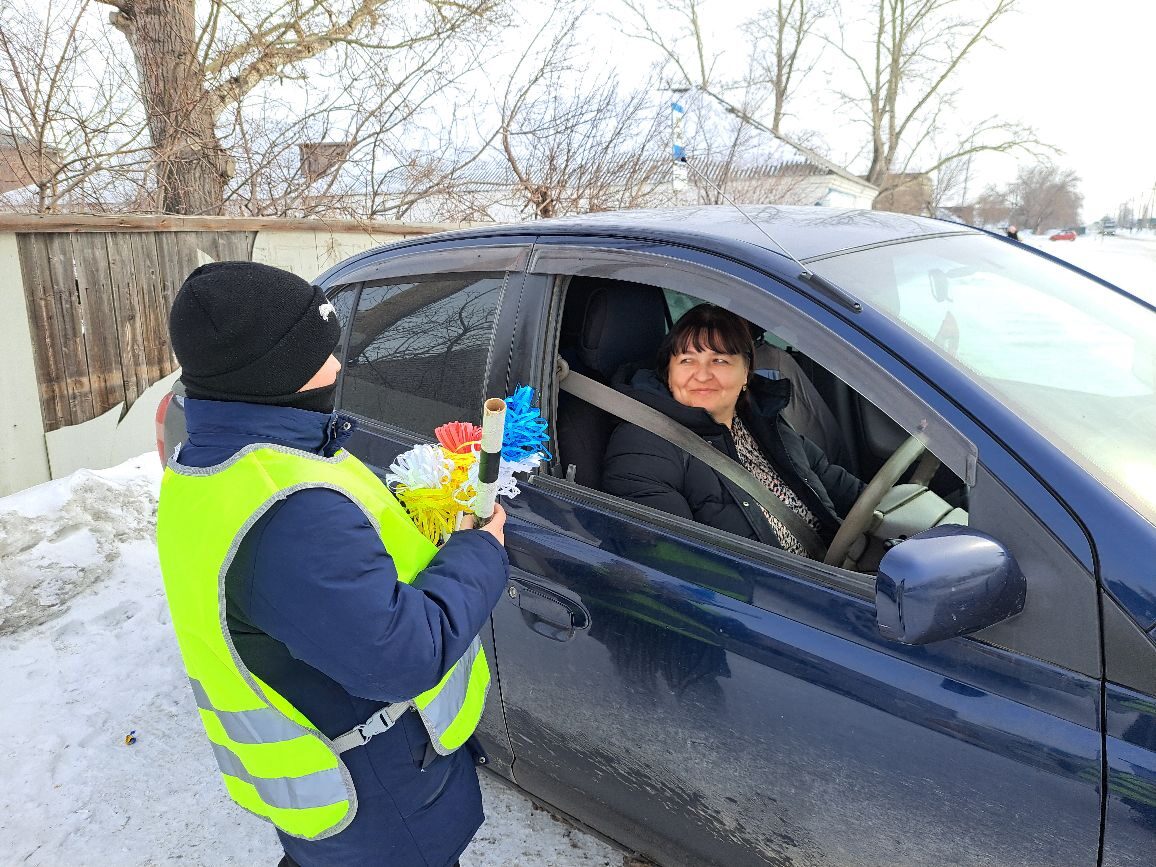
[286, 43]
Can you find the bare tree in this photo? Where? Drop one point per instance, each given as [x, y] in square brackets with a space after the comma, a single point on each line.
[573, 144]
[195, 74]
[1044, 196]
[781, 37]
[992, 208]
[675, 28]
[905, 64]
[780, 51]
[950, 185]
[69, 136]
[595, 150]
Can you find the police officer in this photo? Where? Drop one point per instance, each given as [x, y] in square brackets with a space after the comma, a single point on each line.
[332, 649]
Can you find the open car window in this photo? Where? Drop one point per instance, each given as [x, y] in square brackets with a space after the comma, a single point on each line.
[808, 414]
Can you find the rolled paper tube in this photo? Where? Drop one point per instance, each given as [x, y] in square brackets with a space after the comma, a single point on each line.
[490, 458]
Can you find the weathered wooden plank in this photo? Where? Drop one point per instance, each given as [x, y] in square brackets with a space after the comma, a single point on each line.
[177, 254]
[102, 335]
[71, 312]
[154, 310]
[124, 282]
[45, 328]
[172, 223]
[232, 246]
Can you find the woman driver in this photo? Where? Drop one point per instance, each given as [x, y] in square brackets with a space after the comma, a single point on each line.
[703, 381]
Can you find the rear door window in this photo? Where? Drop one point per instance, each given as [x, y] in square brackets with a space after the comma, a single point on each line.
[419, 348]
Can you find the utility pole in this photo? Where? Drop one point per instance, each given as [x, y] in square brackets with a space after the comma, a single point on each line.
[678, 168]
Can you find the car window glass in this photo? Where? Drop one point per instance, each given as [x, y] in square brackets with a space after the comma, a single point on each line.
[418, 349]
[679, 302]
[1074, 358]
[343, 299]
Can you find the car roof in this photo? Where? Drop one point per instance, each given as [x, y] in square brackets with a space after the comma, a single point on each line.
[808, 232]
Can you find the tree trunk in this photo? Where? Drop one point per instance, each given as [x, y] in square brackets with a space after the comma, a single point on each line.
[192, 168]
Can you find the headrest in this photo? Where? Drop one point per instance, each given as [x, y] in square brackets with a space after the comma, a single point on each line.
[623, 323]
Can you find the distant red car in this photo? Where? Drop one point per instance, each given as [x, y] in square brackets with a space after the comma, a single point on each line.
[1065, 235]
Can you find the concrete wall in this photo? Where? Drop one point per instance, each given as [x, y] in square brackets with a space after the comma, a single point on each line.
[308, 254]
[28, 456]
[23, 452]
[840, 192]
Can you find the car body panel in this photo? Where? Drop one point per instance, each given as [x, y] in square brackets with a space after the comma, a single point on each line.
[1131, 750]
[778, 725]
[807, 232]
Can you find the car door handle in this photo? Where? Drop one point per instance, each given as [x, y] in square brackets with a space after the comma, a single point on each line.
[546, 611]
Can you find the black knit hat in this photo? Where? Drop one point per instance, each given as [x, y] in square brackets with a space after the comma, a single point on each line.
[250, 332]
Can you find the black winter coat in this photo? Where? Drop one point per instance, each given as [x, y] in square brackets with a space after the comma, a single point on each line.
[645, 468]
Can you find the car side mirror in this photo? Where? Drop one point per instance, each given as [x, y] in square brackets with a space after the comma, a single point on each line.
[944, 582]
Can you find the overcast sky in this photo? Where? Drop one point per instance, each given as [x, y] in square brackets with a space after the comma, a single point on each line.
[1082, 73]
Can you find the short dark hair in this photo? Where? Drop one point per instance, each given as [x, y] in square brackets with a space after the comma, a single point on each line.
[707, 327]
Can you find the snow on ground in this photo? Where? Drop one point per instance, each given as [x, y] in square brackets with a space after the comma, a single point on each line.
[1129, 261]
[88, 656]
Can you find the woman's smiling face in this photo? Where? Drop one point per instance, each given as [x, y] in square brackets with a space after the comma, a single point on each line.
[708, 379]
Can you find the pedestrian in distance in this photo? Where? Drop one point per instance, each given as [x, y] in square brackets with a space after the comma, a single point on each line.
[1013, 233]
[332, 649]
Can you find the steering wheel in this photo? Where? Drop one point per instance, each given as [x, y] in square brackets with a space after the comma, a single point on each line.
[859, 517]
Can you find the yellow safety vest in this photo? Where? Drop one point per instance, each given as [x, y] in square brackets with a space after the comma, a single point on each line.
[275, 762]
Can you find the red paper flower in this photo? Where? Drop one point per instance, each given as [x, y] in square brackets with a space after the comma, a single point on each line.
[459, 437]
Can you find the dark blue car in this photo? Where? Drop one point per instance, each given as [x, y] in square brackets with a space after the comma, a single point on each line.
[979, 693]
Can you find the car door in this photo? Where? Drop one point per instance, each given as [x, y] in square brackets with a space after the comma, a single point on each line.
[426, 338]
[708, 700]
[1130, 713]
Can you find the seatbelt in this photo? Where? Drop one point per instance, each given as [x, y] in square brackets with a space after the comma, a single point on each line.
[628, 409]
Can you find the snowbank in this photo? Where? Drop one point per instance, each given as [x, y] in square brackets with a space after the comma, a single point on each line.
[89, 657]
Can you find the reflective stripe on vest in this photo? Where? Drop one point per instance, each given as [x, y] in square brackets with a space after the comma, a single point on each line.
[448, 725]
[287, 793]
[274, 761]
[258, 726]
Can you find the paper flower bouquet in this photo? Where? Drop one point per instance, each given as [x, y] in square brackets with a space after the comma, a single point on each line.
[470, 465]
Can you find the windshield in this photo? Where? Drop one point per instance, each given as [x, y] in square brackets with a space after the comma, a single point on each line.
[1073, 358]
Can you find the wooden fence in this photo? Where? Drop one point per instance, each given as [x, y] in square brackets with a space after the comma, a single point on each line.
[98, 305]
[98, 292]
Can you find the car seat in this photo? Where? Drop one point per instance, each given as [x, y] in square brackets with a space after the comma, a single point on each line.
[808, 413]
[605, 325]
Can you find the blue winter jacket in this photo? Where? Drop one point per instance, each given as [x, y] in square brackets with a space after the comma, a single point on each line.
[315, 610]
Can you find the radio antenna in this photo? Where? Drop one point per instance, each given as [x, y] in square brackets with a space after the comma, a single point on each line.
[807, 272]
